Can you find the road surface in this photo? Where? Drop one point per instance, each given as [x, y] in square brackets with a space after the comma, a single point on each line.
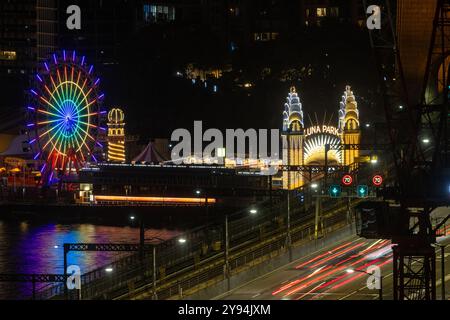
[335, 273]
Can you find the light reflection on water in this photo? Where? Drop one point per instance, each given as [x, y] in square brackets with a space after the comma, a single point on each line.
[28, 248]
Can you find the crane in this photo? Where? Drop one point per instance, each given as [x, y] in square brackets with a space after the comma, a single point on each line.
[418, 133]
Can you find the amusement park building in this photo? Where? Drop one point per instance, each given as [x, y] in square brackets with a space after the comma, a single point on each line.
[306, 146]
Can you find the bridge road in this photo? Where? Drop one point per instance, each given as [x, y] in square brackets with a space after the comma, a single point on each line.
[323, 275]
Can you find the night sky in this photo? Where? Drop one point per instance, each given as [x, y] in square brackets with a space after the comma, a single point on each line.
[157, 102]
[319, 61]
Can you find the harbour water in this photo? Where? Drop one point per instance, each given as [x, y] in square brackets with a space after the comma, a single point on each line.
[37, 248]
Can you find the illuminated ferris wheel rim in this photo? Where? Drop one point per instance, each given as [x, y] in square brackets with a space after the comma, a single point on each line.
[66, 111]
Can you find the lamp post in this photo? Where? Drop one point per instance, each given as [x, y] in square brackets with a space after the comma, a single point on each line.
[252, 211]
[141, 251]
[154, 295]
[443, 271]
[380, 277]
[442, 247]
[288, 218]
[227, 248]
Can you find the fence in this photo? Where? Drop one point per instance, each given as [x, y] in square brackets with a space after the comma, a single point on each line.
[200, 260]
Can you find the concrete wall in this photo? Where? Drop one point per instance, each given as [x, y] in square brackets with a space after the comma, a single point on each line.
[265, 267]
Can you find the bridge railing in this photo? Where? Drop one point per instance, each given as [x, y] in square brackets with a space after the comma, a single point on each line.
[250, 237]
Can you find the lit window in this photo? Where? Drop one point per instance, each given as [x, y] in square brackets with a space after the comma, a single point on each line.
[266, 36]
[8, 55]
[321, 12]
[156, 14]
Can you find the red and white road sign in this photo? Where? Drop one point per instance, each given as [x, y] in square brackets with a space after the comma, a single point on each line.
[347, 180]
[377, 180]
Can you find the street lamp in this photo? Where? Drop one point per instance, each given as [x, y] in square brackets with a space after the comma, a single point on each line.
[380, 277]
[253, 211]
[141, 233]
[182, 240]
[109, 269]
[314, 186]
[426, 140]
[373, 159]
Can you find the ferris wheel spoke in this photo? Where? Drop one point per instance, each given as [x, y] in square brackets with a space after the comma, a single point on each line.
[59, 76]
[80, 146]
[56, 89]
[83, 143]
[89, 104]
[53, 97]
[74, 87]
[55, 145]
[87, 133]
[80, 90]
[49, 130]
[89, 114]
[75, 97]
[51, 139]
[88, 93]
[49, 103]
[81, 139]
[68, 84]
[85, 99]
[64, 144]
[61, 99]
[88, 124]
[47, 122]
[48, 113]
[71, 91]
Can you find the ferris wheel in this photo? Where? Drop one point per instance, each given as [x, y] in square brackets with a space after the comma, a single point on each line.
[65, 116]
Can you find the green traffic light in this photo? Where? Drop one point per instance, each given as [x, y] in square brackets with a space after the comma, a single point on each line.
[335, 191]
[362, 191]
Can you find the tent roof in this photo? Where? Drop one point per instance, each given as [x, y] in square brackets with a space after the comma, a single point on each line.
[150, 154]
[16, 147]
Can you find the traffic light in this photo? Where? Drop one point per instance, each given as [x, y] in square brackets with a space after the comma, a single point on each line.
[362, 191]
[335, 191]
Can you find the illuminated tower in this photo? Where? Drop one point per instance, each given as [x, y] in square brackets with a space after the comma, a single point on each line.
[349, 125]
[292, 139]
[116, 135]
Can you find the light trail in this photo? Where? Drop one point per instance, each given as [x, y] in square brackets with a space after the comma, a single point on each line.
[359, 260]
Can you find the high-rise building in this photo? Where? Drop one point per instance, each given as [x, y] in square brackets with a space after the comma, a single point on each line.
[105, 27]
[18, 28]
[30, 30]
[315, 12]
[18, 53]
